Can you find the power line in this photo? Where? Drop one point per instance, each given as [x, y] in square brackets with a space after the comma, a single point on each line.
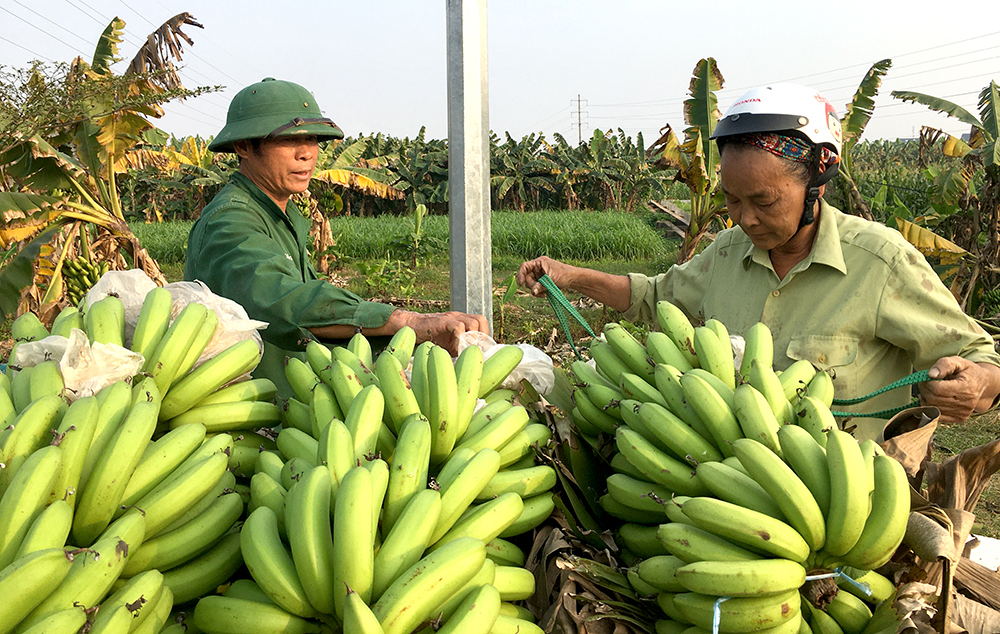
[42, 30]
[51, 22]
[38, 55]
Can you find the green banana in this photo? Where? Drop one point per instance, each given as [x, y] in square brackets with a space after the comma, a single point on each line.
[406, 541]
[740, 614]
[675, 323]
[175, 344]
[25, 499]
[740, 578]
[655, 465]
[629, 350]
[400, 402]
[234, 416]
[747, 527]
[307, 509]
[152, 323]
[476, 614]
[468, 377]
[105, 321]
[525, 482]
[358, 617]
[732, 485]
[28, 580]
[497, 367]
[886, 524]
[251, 390]
[234, 361]
[514, 583]
[75, 435]
[49, 529]
[173, 548]
[354, 542]
[458, 492]
[228, 615]
[660, 572]
[848, 493]
[714, 412]
[788, 491]
[795, 378]
[715, 355]
[418, 591]
[755, 417]
[270, 563]
[808, 460]
[535, 510]
[850, 612]
[161, 458]
[690, 544]
[758, 346]
[815, 417]
[401, 345]
[662, 349]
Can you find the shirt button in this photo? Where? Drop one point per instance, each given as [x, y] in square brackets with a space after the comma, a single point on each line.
[775, 293]
[822, 358]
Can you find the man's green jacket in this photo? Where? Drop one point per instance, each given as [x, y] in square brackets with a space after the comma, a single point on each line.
[245, 248]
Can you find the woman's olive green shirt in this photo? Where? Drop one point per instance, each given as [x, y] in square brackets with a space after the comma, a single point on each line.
[864, 304]
[245, 248]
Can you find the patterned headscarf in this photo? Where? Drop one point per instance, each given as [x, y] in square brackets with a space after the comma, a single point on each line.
[787, 147]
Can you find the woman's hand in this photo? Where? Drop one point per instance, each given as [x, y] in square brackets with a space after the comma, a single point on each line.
[963, 387]
[533, 270]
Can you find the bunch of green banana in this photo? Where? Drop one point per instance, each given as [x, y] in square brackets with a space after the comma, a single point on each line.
[79, 274]
[732, 481]
[401, 494]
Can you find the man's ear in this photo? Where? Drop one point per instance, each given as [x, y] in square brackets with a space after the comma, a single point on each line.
[242, 148]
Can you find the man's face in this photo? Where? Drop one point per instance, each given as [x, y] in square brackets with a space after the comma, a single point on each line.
[282, 167]
[762, 196]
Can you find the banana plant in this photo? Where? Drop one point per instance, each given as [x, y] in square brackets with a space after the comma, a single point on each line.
[341, 163]
[697, 158]
[955, 191]
[859, 113]
[62, 175]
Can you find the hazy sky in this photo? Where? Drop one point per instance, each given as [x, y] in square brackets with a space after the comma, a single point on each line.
[379, 66]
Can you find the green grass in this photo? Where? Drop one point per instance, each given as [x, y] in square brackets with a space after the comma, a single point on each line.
[950, 440]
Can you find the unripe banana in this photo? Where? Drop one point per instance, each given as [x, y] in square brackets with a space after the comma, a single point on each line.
[476, 614]
[46, 379]
[534, 511]
[406, 540]
[524, 482]
[821, 387]
[153, 321]
[655, 465]
[675, 323]
[226, 417]
[788, 491]
[75, 434]
[668, 381]
[417, 592]
[850, 612]
[814, 417]
[747, 527]
[715, 354]
[307, 511]
[592, 415]
[690, 544]
[638, 494]
[227, 615]
[713, 411]
[400, 402]
[808, 460]
[497, 367]
[759, 347]
[755, 417]
[640, 540]
[661, 572]
[32, 430]
[364, 419]
[767, 383]
[358, 617]
[105, 321]
[886, 524]
[458, 492]
[252, 390]
[629, 350]
[740, 614]
[680, 439]
[364, 371]
[468, 376]
[185, 393]
[160, 459]
[627, 513]
[353, 546]
[795, 378]
[401, 345]
[50, 529]
[410, 467]
[165, 362]
[662, 349]
[514, 583]
[848, 493]
[504, 552]
[741, 578]
[28, 327]
[524, 443]
[732, 485]
[270, 563]
[28, 580]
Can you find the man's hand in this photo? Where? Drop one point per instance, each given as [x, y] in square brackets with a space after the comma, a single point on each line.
[443, 329]
[533, 270]
[963, 387]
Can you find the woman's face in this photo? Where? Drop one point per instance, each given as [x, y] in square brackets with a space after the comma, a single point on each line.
[765, 198]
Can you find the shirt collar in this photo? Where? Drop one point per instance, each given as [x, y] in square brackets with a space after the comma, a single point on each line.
[826, 248]
[262, 199]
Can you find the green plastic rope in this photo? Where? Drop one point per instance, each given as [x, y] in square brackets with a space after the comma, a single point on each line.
[561, 307]
[916, 377]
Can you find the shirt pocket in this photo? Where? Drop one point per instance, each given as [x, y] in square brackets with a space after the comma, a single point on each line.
[835, 354]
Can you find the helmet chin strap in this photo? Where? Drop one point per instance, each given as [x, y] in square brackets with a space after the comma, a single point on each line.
[817, 180]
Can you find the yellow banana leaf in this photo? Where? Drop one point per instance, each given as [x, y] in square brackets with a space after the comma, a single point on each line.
[353, 180]
[930, 243]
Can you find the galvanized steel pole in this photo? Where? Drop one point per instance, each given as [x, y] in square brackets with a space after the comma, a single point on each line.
[469, 159]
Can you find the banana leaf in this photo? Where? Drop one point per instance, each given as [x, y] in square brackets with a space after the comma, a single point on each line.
[106, 52]
[989, 103]
[859, 111]
[24, 215]
[939, 105]
[701, 111]
[19, 272]
[930, 243]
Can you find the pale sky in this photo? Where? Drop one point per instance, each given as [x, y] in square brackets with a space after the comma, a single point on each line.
[379, 66]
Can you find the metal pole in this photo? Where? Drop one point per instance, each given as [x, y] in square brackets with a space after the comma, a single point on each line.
[469, 159]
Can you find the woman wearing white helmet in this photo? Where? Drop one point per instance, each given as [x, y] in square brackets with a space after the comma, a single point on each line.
[851, 296]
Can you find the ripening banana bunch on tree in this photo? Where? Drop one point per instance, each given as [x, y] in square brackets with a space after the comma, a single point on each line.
[734, 482]
[79, 274]
[389, 500]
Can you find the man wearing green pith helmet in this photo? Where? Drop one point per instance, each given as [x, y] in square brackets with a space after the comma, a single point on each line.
[850, 296]
[250, 243]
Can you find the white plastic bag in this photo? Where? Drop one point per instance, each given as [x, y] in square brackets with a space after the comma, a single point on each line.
[535, 366]
[131, 288]
[86, 368]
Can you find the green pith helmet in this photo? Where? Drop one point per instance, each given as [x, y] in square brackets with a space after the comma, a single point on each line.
[272, 108]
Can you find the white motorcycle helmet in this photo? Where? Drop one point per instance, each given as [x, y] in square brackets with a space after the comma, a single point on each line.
[791, 110]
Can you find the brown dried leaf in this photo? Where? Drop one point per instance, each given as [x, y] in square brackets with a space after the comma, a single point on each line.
[959, 481]
[907, 437]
